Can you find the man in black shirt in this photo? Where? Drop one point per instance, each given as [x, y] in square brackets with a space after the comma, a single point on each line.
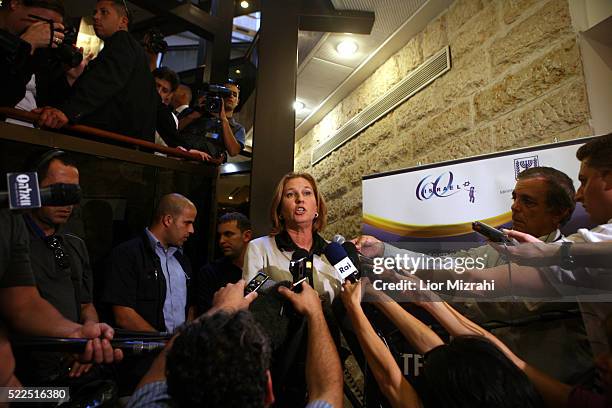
[60, 263]
[234, 235]
[20, 37]
[25, 311]
[15, 271]
[116, 92]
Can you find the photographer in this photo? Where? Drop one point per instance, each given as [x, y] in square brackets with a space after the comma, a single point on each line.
[154, 44]
[116, 92]
[212, 128]
[31, 38]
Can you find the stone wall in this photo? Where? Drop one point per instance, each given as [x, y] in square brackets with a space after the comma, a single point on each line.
[516, 80]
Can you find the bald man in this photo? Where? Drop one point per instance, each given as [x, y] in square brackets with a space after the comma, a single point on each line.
[147, 285]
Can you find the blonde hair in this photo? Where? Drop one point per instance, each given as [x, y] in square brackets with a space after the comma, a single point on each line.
[278, 224]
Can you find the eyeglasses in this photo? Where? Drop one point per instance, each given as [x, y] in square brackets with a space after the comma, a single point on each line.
[127, 11]
[61, 257]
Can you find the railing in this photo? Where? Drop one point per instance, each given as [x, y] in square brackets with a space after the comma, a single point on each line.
[121, 178]
[89, 131]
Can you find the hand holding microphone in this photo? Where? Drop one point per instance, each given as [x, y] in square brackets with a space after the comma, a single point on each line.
[307, 302]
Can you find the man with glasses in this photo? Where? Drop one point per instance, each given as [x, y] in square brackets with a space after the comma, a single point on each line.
[116, 92]
[60, 263]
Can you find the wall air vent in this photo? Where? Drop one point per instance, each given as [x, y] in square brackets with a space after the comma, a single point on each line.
[418, 79]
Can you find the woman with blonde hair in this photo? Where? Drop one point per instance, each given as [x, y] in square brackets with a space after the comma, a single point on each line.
[298, 213]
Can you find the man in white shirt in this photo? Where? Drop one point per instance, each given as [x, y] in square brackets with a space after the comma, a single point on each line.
[181, 100]
[595, 194]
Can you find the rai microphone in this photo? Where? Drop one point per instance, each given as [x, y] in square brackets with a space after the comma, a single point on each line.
[338, 257]
[353, 255]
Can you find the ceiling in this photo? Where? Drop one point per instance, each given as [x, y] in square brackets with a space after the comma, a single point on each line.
[323, 76]
[323, 69]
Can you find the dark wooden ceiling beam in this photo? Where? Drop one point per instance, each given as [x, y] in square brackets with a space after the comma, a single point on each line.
[345, 21]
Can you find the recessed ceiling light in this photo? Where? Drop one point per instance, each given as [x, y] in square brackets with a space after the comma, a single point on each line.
[244, 4]
[298, 106]
[238, 71]
[347, 47]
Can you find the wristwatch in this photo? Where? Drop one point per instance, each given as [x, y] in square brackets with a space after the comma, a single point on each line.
[567, 260]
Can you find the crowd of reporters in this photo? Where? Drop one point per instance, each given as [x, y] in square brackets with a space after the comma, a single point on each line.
[120, 90]
[228, 356]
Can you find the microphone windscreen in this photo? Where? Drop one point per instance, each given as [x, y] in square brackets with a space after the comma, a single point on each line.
[298, 254]
[335, 253]
[351, 251]
[339, 239]
[60, 194]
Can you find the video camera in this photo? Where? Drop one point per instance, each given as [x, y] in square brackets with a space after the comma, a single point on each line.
[153, 41]
[210, 98]
[66, 52]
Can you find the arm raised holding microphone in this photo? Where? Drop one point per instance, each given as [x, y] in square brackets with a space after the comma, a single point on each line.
[25, 311]
[323, 370]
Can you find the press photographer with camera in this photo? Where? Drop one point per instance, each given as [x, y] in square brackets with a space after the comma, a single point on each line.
[116, 92]
[154, 44]
[212, 127]
[38, 59]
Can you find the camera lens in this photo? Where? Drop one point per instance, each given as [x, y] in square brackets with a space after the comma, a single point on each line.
[214, 104]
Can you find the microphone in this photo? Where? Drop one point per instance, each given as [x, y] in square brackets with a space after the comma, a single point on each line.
[59, 194]
[338, 257]
[339, 239]
[300, 267]
[77, 346]
[353, 255]
[361, 259]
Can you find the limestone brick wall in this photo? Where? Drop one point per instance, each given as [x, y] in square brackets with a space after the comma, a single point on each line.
[516, 80]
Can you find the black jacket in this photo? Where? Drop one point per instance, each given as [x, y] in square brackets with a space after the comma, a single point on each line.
[135, 279]
[17, 67]
[117, 91]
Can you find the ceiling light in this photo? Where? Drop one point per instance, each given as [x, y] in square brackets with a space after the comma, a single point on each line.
[244, 4]
[237, 71]
[298, 106]
[231, 197]
[347, 48]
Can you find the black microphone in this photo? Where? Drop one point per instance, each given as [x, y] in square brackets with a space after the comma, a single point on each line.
[362, 259]
[77, 346]
[353, 255]
[59, 194]
[338, 257]
[300, 267]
